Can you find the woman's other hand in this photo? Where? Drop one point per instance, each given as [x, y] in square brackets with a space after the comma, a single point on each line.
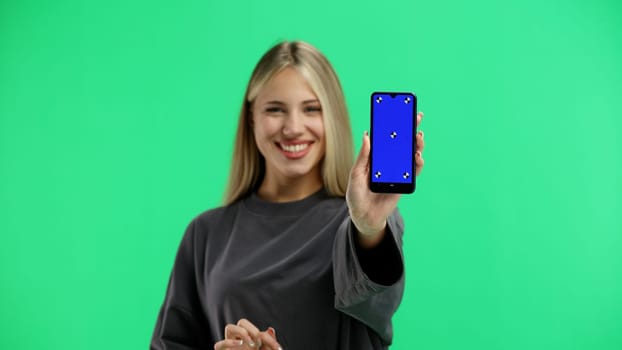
[245, 336]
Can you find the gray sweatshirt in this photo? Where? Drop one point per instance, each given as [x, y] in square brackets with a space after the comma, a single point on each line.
[292, 266]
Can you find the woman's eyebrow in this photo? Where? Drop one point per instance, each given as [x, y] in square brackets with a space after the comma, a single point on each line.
[275, 102]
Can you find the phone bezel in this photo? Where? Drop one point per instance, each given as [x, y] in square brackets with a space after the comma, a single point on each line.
[391, 187]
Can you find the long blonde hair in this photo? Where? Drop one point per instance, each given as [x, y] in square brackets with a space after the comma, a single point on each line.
[248, 165]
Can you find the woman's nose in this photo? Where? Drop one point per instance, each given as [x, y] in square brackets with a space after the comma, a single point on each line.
[294, 124]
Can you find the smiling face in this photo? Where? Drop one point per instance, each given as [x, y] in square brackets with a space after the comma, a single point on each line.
[289, 129]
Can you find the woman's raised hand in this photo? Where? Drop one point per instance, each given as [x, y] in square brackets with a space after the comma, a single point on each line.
[369, 210]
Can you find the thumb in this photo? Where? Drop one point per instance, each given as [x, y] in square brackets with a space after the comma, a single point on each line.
[363, 158]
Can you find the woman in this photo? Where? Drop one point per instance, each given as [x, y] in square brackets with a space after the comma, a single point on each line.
[302, 255]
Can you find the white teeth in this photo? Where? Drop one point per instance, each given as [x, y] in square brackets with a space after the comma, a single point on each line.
[295, 148]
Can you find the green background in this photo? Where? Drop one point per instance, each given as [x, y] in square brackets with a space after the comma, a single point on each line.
[117, 121]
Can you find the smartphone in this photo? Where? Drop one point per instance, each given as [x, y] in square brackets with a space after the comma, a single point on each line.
[392, 134]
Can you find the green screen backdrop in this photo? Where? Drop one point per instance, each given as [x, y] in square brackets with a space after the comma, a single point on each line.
[117, 121]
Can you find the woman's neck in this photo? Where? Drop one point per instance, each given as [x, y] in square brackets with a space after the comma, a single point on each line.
[288, 190]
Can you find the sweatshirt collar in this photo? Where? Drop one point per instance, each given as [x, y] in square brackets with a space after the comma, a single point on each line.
[294, 208]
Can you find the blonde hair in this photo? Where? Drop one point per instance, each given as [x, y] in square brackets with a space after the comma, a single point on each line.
[248, 165]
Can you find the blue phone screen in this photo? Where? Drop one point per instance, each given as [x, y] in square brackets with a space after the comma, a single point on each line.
[393, 116]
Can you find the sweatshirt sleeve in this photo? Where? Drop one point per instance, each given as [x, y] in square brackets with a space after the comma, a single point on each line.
[369, 283]
[181, 324]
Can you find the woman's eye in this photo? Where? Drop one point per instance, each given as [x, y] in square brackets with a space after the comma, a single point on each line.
[313, 109]
[274, 110]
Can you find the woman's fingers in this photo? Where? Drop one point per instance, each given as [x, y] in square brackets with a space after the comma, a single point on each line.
[252, 331]
[236, 332]
[418, 163]
[271, 331]
[244, 335]
[420, 141]
[229, 344]
[420, 146]
[268, 339]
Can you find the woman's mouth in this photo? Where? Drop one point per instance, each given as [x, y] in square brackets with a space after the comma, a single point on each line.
[294, 150]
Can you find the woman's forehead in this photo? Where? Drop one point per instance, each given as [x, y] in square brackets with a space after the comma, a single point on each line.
[287, 86]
